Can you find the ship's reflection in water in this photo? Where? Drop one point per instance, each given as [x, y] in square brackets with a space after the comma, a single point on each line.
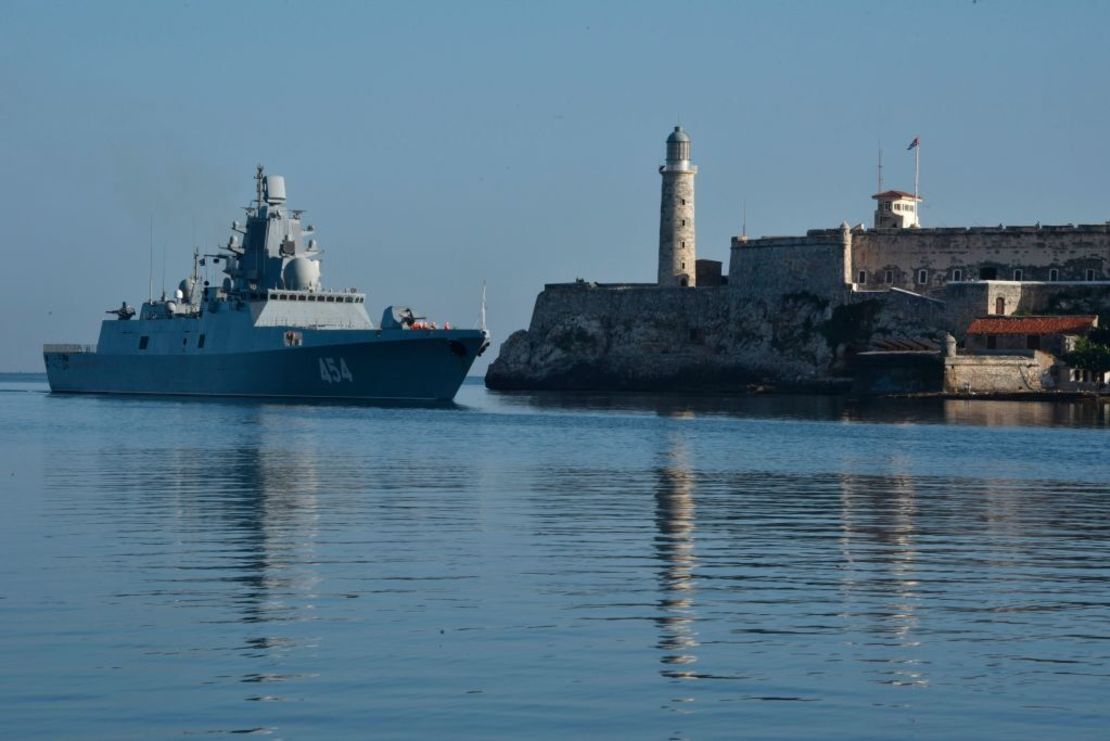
[245, 520]
[674, 547]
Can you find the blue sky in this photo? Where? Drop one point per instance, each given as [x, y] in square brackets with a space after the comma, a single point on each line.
[437, 145]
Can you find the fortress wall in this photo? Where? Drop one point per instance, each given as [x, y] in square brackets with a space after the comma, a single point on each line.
[774, 266]
[677, 310]
[1057, 298]
[998, 374]
[1072, 250]
[901, 314]
[589, 336]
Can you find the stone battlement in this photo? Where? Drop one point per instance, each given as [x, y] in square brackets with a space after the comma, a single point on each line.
[920, 233]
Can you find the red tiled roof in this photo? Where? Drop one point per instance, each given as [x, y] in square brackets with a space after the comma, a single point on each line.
[1039, 325]
[887, 195]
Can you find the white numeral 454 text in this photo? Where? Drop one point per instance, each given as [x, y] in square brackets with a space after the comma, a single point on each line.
[332, 372]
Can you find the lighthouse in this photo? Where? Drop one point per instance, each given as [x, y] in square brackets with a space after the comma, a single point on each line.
[677, 252]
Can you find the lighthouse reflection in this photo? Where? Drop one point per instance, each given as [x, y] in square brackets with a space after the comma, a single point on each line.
[879, 549]
[674, 547]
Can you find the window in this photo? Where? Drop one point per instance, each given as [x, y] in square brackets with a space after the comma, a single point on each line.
[200, 342]
[185, 341]
[1000, 306]
[957, 275]
[861, 276]
[683, 244]
[1090, 274]
[683, 201]
[889, 277]
[992, 342]
[910, 207]
[684, 222]
[1019, 274]
[1054, 275]
[143, 342]
[922, 277]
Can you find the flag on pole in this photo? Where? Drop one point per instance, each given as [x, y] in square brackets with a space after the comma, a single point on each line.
[914, 144]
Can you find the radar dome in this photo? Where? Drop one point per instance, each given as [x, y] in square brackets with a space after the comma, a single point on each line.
[275, 189]
[301, 274]
[185, 289]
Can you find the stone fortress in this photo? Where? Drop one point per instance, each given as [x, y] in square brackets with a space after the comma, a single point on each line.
[795, 312]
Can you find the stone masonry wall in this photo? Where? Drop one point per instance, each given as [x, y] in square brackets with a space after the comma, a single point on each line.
[772, 266]
[1035, 250]
[998, 374]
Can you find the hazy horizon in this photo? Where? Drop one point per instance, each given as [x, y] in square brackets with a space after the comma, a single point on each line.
[436, 146]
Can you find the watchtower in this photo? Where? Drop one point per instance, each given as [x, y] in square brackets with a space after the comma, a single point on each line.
[677, 253]
[896, 209]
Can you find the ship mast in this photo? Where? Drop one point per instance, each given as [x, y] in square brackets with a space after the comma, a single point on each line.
[258, 177]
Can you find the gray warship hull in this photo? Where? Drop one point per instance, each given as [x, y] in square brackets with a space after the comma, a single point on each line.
[407, 366]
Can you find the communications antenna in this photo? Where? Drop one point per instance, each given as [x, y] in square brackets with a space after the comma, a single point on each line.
[150, 264]
[482, 315]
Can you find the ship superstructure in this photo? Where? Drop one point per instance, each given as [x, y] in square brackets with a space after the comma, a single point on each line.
[269, 328]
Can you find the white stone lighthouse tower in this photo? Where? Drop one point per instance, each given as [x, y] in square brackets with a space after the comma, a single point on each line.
[676, 214]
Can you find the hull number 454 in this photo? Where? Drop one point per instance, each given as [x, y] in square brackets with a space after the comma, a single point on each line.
[334, 372]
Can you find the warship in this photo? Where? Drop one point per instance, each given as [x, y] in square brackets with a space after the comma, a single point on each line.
[268, 329]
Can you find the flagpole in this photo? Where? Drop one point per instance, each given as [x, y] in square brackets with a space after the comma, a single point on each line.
[916, 168]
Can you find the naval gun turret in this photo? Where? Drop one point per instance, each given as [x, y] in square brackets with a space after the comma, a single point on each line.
[124, 312]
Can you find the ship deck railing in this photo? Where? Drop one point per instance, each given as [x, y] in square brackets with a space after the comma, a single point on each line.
[284, 294]
[68, 348]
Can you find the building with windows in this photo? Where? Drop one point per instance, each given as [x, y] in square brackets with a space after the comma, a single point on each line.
[896, 209]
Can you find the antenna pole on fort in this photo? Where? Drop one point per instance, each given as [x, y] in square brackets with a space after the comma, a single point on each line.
[880, 190]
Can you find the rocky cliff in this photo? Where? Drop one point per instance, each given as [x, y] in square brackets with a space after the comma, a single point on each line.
[644, 337]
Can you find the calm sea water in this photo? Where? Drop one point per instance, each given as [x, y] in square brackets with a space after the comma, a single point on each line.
[552, 566]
